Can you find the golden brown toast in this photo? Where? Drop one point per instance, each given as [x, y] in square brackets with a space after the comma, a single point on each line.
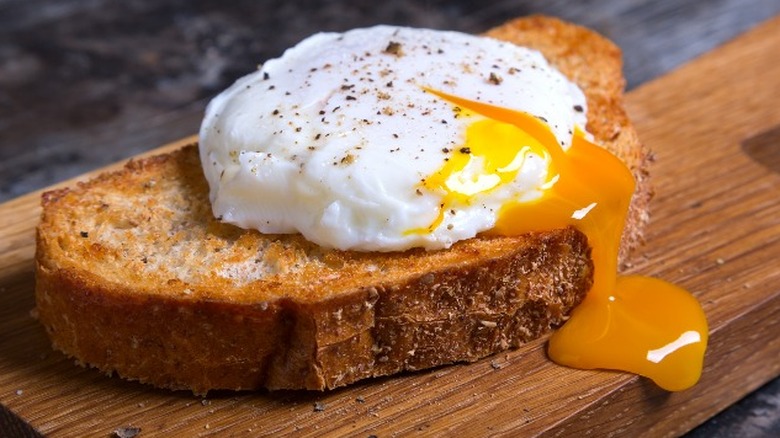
[136, 276]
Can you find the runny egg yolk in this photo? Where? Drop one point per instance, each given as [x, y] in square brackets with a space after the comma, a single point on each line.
[478, 166]
[632, 323]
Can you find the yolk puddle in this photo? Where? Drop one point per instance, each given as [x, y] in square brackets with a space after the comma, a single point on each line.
[632, 323]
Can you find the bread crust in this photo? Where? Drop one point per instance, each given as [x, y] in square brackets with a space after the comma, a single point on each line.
[134, 276]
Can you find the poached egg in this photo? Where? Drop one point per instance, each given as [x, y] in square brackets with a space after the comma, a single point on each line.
[388, 138]
[349, 140]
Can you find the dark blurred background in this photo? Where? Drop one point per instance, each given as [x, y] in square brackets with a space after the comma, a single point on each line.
[84, 83]
[88, 82]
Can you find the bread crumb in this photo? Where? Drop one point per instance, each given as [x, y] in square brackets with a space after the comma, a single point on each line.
[319, 406]
[394, 48]
[495, 79]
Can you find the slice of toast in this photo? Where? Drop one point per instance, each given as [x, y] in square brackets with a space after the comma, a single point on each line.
[134, 275]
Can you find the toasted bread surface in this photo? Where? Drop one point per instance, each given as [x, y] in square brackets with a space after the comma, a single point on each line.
[135, 275]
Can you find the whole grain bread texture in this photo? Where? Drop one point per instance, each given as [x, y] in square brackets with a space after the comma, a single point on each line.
[135, 276]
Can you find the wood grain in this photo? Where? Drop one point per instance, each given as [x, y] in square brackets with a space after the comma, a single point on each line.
[713, 125]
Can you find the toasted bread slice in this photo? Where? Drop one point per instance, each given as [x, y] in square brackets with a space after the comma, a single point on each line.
[136, 276]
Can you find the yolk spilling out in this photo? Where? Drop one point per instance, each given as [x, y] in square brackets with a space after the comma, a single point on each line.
[632, 323]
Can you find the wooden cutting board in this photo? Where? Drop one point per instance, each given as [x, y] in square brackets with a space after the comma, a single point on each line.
[715, 128]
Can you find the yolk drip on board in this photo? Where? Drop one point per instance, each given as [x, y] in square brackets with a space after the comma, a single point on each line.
[632, 323]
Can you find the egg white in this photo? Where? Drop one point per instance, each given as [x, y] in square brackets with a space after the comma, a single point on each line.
[333, 139]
